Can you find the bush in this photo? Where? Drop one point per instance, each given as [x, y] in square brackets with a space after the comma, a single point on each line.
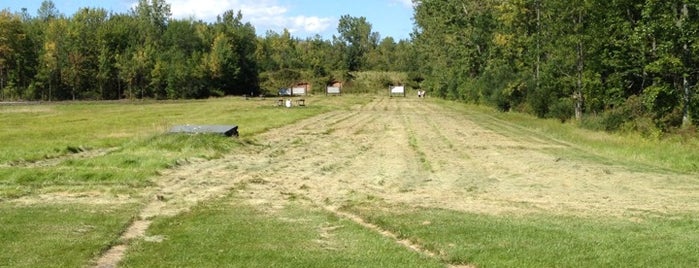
[385, 81]
[630, 116]
[374, 82]
[562, 110]
[643, 125]
[593, 122]
[501, 101]
[671, 120]
[613, 119]
[686, 132]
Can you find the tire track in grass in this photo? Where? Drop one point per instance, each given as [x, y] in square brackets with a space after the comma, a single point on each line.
[424, 161]
[182, 188]
[178, 190]
[393, 236]
[324, 183]
[394, 109]
[341, 138]
[344, 135]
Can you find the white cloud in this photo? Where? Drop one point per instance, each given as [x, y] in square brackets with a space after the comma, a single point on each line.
[208, 10]
[311, 24]
[263, 14]
[202, 9]
[405, 3]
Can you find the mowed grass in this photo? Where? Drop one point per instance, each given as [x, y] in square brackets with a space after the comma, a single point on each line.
[542, 240]
[672, 153]
[229, 233]
[126, 143]
[59, 235]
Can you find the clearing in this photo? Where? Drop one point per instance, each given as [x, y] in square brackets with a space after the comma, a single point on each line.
[419, 153]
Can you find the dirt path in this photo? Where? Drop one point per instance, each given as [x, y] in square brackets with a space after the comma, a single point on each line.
[410, 151]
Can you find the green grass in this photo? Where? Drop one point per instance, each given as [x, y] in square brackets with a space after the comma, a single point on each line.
[228, 233]
[672, 153]
[112, 148]
[126, 143]
[424, 161]
[543, 240]
[37, 132]
[59, 235]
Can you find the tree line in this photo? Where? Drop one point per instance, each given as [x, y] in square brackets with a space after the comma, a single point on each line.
[614, 64]
[145, 53]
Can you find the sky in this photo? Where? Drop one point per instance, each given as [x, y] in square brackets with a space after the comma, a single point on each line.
[303, 18]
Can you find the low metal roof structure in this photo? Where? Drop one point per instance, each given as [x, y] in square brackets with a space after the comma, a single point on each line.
[227, 130]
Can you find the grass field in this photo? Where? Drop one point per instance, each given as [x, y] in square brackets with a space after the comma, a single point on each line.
[350, 181]
[122, 144]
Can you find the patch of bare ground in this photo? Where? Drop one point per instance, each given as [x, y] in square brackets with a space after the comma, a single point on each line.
[414, 152]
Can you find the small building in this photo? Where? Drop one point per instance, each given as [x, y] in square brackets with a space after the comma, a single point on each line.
[301, 89]
[334, 88]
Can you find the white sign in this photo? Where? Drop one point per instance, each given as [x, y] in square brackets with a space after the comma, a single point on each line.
[398, 90]
[299, 91]
[333, 90]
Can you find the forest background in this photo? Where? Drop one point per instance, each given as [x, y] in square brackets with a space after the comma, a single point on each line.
[629, 65]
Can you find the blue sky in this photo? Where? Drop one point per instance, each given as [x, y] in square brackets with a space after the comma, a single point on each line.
[303, 18]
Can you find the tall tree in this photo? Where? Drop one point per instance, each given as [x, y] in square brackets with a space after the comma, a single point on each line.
[669, 28]
[11, 35]
[357, 34]
[51, 58]
[455, 37]
[383, 57]
[153, 16]
[242, 39]
[48, 11]
[83, 52]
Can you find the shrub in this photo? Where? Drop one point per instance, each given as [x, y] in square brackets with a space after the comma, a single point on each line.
[671, 120]
[643, 125]
[562, 110]
[620, 117]
[613, 119]
[593, 122]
